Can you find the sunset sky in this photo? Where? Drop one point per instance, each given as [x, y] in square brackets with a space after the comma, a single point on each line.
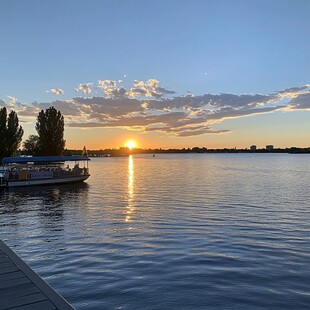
[163, 73]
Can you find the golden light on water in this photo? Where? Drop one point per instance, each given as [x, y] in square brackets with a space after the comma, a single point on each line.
[131, 144]
[130, 206]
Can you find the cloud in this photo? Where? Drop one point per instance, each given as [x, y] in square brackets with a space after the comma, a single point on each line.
[165, 91]
[56, 91]
[301, 102]
[84, 88]
[182, 116]
[67, 107]
[112, 89]
[293, 89]
[146, 106]
[12, 101]
[207, 101]
[147, 89]
[198, 132]
[111, 108]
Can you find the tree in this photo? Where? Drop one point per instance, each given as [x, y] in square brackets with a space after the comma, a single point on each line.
[3, 119]
[50, 127]
[11, 133]
[14, 133]
[31, 145]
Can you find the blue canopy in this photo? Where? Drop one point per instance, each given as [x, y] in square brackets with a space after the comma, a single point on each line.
[42, 159]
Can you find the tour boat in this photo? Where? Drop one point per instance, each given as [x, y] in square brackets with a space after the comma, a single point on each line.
[42, 170]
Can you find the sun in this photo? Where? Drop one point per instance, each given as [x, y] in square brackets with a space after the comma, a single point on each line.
[131, 144]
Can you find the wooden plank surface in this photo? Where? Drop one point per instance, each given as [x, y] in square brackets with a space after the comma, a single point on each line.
[21, 288]
[42, 305]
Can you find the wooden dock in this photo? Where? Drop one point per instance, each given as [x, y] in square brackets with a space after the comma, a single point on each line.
[22, 289]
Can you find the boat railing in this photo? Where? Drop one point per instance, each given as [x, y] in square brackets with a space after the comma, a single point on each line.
[70, 172]
[32, 174]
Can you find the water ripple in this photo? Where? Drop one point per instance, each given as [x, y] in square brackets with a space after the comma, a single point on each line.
[219, 231]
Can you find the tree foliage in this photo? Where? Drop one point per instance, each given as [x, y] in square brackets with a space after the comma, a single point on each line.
[50, 128]
[3, 120]
[31, 145]
[11, 133]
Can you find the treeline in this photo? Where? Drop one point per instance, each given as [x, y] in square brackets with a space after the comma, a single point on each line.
[124, 151]
[49, 140]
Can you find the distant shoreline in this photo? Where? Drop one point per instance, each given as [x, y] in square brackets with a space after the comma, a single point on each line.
[195, 150]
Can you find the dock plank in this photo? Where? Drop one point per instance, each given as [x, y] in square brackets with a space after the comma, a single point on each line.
[21, 288]
[4, 259]
[14, 282]
[8, 269]
[11, 302]
[11, 276]
[6, 264]
[41, 305]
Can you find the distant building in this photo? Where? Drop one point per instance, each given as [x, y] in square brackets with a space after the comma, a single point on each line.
[253, 148]
[269, 147]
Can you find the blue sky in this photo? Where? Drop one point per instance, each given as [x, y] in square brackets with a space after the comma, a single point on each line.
[201, 47]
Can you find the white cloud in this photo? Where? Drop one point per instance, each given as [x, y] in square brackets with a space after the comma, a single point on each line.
[84, 88]
[147, 89]
[12, 101]
[56, 91]
[109, 87]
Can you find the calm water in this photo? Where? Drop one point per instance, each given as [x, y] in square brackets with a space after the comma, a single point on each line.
[220, 231]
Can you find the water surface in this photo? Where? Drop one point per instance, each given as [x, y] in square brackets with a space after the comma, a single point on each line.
[205, 231]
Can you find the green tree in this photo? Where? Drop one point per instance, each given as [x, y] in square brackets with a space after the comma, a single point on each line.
[31, 145]
[50, 127]
[3, 119]
[11, 133]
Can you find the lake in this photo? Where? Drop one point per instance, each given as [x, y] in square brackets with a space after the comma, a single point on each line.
[186, 231]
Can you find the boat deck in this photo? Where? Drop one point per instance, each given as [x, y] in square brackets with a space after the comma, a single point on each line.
[21, 288]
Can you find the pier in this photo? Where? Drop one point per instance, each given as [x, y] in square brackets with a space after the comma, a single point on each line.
[22, 289]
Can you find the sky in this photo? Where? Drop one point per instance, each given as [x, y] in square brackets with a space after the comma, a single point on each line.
[166, 73]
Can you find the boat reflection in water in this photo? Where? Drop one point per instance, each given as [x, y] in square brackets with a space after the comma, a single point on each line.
[47, 207]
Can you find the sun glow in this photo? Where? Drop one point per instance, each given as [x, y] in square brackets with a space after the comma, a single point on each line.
[131, 144]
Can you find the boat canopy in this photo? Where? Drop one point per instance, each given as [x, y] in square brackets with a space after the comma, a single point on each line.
[42, 159]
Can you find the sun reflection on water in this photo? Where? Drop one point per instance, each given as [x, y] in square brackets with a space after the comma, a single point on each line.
[130, 207]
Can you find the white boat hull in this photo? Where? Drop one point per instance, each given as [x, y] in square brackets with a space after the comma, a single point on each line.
[72, 179]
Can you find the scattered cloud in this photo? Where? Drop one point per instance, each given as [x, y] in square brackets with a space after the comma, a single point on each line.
[146, 106]
[84, 88]
[56, 91]
[148, 89]
[12, 101]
